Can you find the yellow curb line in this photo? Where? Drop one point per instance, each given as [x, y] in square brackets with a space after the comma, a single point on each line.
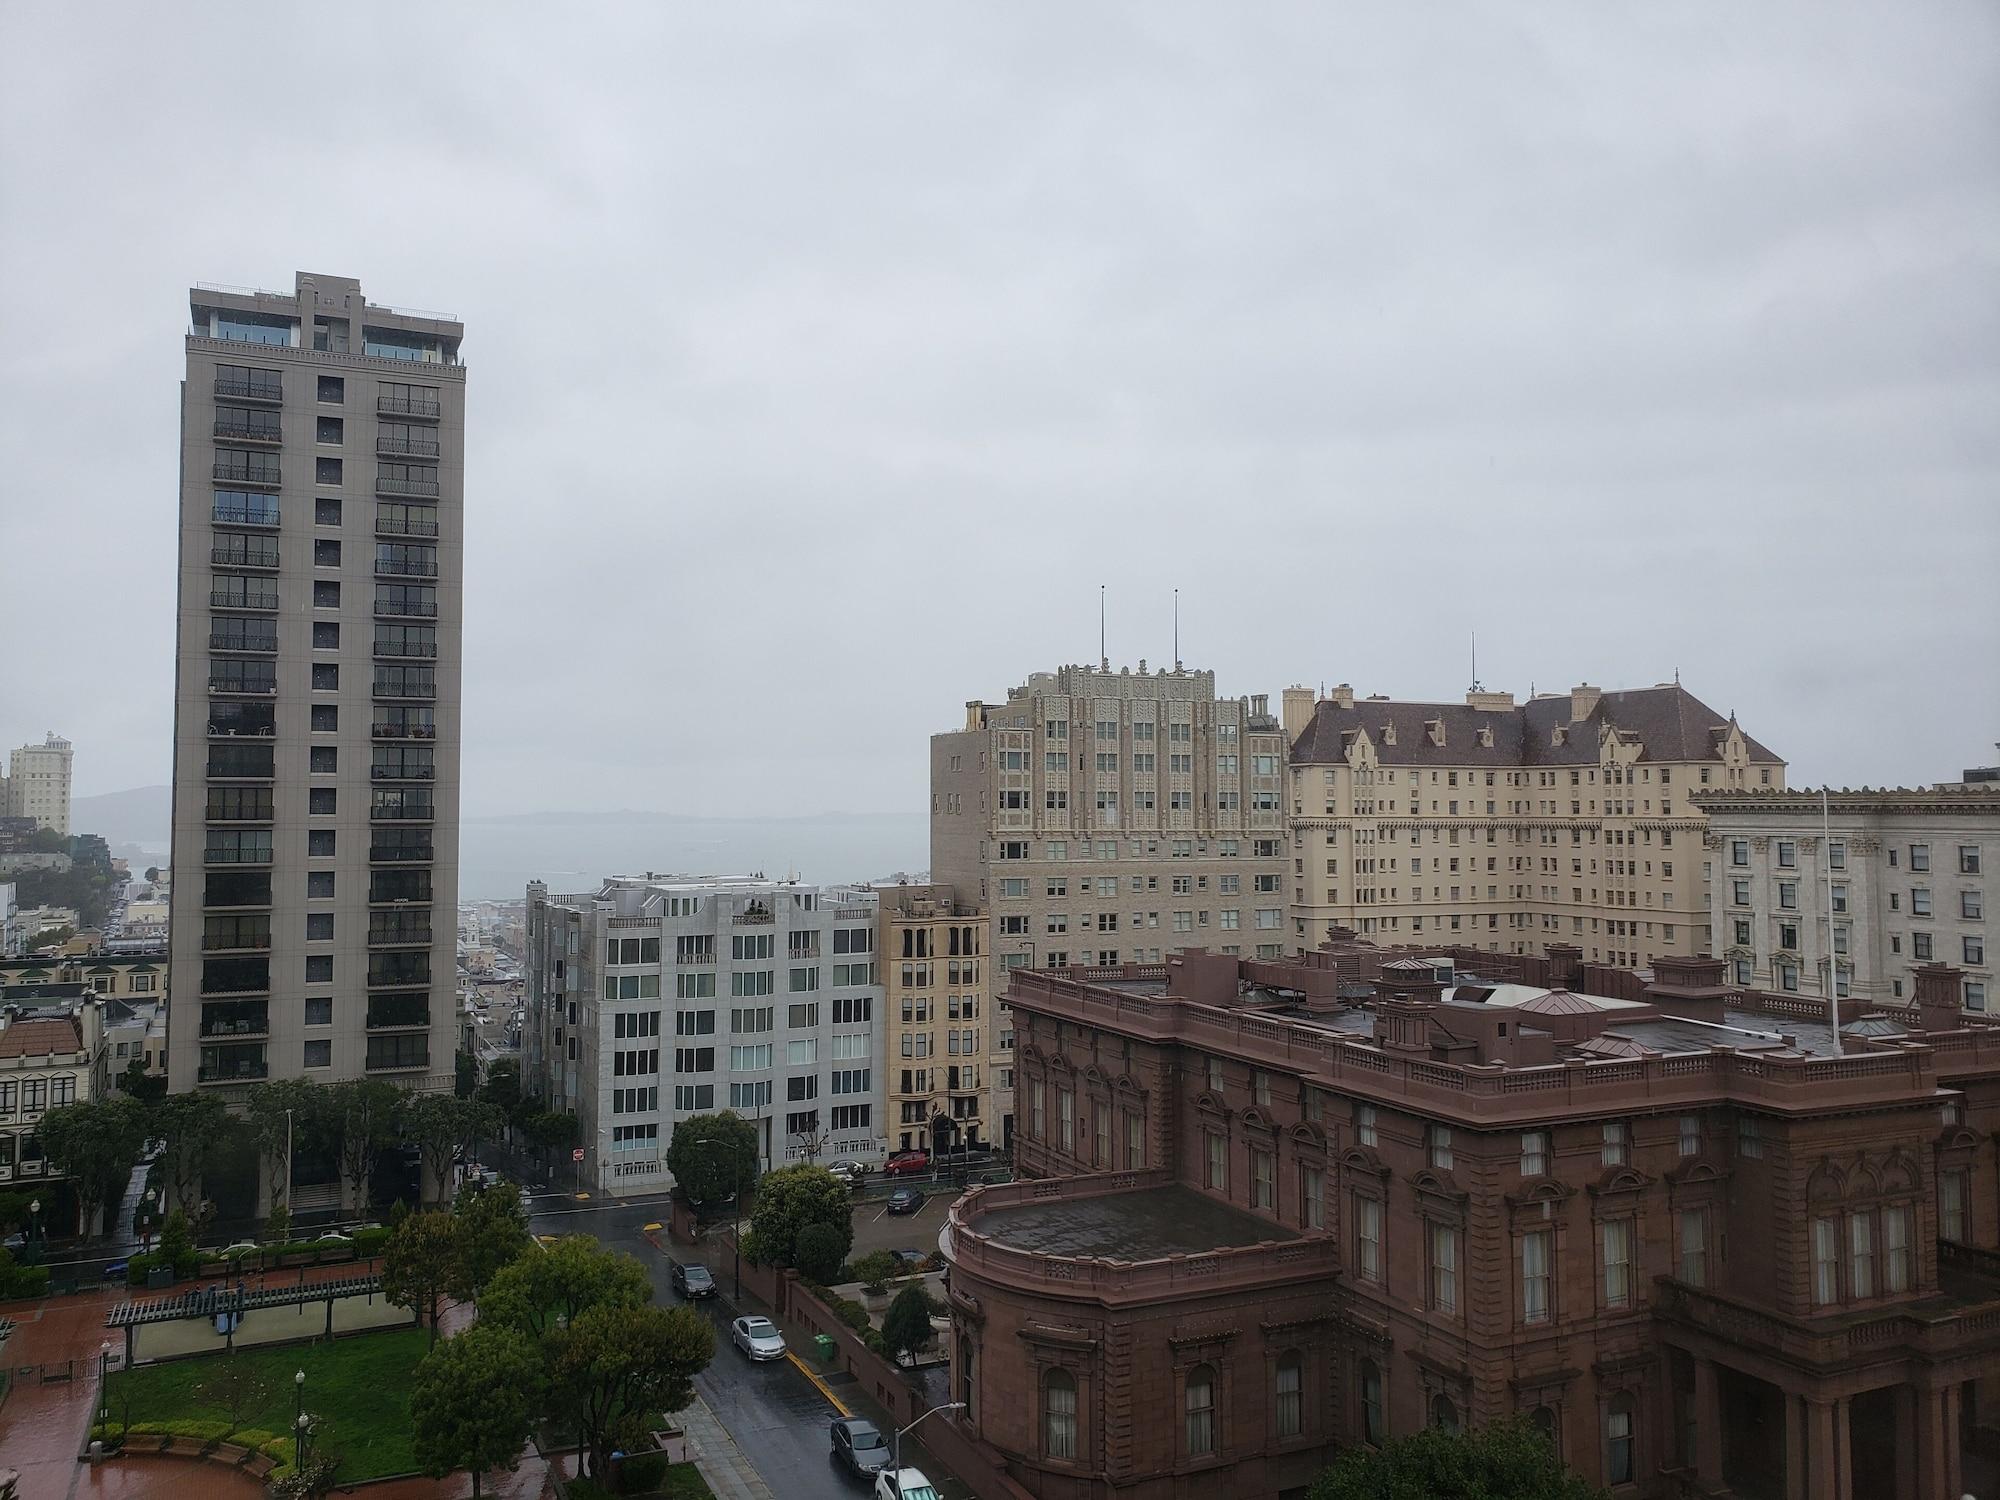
[819, 1385]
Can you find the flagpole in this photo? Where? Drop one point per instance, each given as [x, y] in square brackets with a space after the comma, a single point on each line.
[1832, 960]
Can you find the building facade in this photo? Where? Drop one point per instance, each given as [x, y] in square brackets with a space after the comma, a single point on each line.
[936, 1080]
[317, 705]
[47, 1059]
[1108, 817]
[1906, 873]
[1285, 1207]
[1567, 819]
[37, 784]
[658, 997]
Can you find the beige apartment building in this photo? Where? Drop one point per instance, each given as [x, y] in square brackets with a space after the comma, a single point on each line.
[1105, 818]
[316, 725]
[1905, 873]
[37, 783]
[937, 1081]
[1507, 826]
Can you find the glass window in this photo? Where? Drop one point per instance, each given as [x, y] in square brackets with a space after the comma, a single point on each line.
[1618, 1442]
[1534, 1153]
[1444, 1267]
[1826, 1262]
[1059, 1414]
[1861, 1255]
[1617, 1262]
[1694, 1246]
[1951, 1206]
[1896, 1249]
[1444, 1413]
[1535, 1276]
[1368, 1238]
[1373, 1428]
[1200, 1402]
[1291, 1394]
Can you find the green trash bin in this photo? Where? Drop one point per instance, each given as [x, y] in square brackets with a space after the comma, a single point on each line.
[823, 1344]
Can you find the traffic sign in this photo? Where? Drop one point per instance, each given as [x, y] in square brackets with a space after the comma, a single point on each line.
[577, 1154]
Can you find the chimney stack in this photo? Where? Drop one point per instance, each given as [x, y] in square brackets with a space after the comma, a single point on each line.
[1583, 702]
[1938, 992]
[1298, 707]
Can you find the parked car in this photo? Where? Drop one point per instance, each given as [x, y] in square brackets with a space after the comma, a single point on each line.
[904, 1484]
[859, 1445]
[905, 1200]
[757, 1337]
[910, 1260]
[693, 1281]
[849, 1171]
[906, 1163]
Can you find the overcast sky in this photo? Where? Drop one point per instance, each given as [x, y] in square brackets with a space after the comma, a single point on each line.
[824, 361]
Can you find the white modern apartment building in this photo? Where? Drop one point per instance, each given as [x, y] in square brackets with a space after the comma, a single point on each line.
[1909, 873]
[658, 997]
[37, 783]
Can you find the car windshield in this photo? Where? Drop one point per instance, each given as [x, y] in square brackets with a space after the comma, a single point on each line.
[919, 1492]
[759, 1328]
[696, 1273]
[865, 1438]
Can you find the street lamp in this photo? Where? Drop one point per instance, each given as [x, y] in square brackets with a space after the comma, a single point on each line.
[31, 1249]
[103, 1390]
[146, 1219]
[298, 1395]
[303, 1442]
[897, 1457]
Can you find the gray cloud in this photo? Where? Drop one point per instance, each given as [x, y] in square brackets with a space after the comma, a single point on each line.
[825, 361]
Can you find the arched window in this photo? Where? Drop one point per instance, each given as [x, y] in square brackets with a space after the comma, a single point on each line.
[1618, 1460]
[1059, 1414]
[1444, 1413]
[1200, 1404]
[1543, 1419]
[1373, 1428]
[965, 1377]
[1291, 1394]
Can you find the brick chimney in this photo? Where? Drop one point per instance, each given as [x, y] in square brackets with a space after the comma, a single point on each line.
[1583, 702]
[1938, 992]
[1565, 965]
[1342, 696]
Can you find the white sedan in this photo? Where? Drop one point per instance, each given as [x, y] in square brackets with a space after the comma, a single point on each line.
[757, 1337]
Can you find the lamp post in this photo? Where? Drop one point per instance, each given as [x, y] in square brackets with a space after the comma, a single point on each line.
[31, 1249]
[103, 1390]
[897, 1457]
[298, 1396]
[302, 1442]
[288, 1167]
[146, 1218]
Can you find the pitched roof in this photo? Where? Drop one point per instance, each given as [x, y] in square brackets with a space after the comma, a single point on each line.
[1670, 723]
[40, 1037]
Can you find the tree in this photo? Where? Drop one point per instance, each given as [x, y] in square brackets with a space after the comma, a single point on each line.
[147, 1088]
[876, 1270]
[235, 1386]
[1508, 1460]
[473, 1401]
[152, 874]
[418, 1264]
[532, 1292]
[492, 1230]
[501, 1087]
[362, 1111]
[464, 1074]
[820, 1253]
[791, 1198]
[189, 1125]
[906, 1327]
[548, 1130]
[283, 1113]
[441, 1126]
[614, 1366]
[713, 1157]
[94, 1144]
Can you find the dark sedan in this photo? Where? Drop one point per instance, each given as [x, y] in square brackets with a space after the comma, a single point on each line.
[693, 1281]
[905, 1200]
[859, 1445]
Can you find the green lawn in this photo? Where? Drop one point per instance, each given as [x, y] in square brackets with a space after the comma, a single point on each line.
[684, 1482]
[359, 1386]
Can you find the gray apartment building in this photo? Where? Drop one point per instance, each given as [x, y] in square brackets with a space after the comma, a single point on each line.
[1103, 818]
[657, 997]
[1907, 872]
[316, 730]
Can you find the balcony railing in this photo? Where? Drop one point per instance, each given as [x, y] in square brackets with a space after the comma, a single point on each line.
[394, 1020]
[394, 447]
[238, 432]
[236, 1026]
[264, 600]
[235, 942]
[264, 477]
[243, 515]
[410, 813]
[234, 1072]
[409, 609]
[392, 567]
[395, 854]
[260, 645]
[241, 687]
[398, 406]
[241, 731]
[404, 731]
[392, 687]
[232, 389]
[224, 555]
[428, 488]
[421, 649]
[394, 936]
[250, 856]
[404, 526]
[402, 773]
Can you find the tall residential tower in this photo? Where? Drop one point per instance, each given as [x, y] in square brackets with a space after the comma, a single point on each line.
[37, 785]
[316, 706]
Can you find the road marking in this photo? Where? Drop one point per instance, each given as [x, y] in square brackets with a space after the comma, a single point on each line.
[818, 1384]
[653, 1228]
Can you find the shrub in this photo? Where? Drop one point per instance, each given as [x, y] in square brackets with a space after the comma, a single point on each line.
[370, 1241]
[21, 1281]
[850, 1312]
[640, 1473]
[818, 1250]
[875, 1270]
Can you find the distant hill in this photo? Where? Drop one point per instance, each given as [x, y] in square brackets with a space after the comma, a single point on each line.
[142, 815]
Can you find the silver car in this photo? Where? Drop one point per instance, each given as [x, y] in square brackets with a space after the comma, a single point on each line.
[757, 1337]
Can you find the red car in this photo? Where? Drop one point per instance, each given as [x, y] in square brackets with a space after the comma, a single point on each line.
[906, 1163]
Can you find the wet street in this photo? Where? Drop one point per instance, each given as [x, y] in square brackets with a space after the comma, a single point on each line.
[776, 1415]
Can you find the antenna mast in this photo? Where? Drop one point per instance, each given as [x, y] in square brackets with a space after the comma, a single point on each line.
[1103, 658]
[1177, 630]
